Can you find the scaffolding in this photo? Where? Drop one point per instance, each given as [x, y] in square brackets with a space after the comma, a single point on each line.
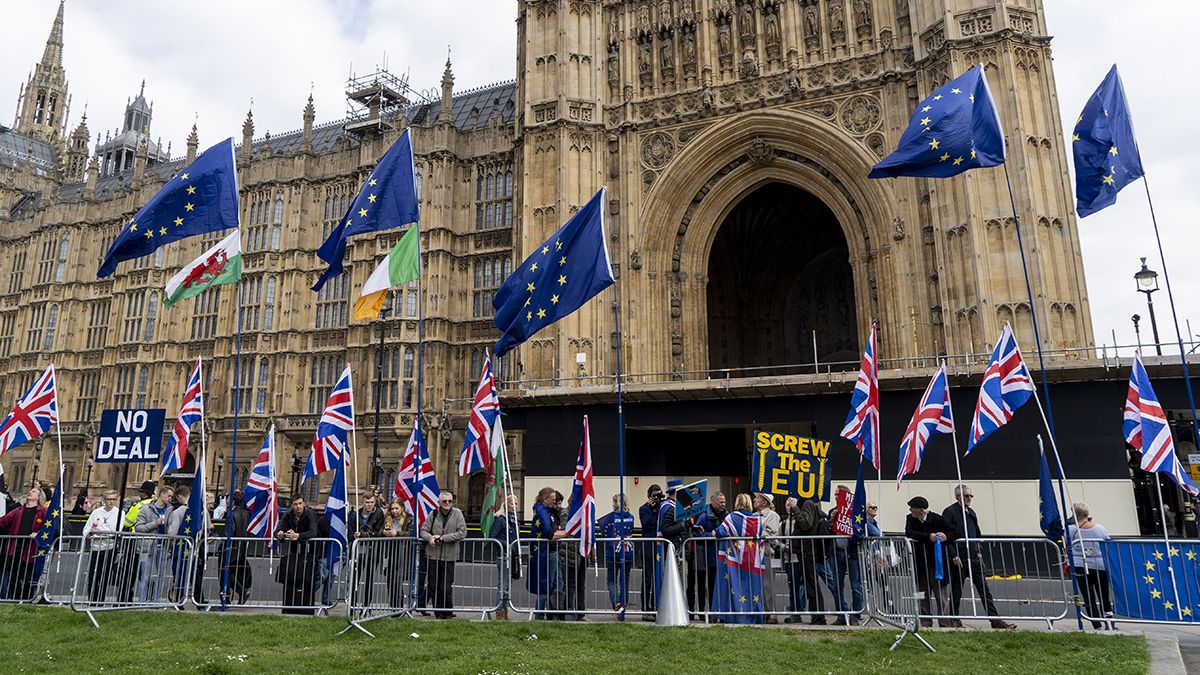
[376, 102]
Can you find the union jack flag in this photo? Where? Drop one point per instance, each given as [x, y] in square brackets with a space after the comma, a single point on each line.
[581, 522]
[262, 490]
[477, 451]
[33, 415]
[1146, 429]
[333, 431]
[1007, 385]
[191, 410]
[745, 553]
[933, 416]
[862, 424]
[416, 484]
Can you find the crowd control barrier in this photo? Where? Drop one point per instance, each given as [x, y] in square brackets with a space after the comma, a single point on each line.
[121, 570]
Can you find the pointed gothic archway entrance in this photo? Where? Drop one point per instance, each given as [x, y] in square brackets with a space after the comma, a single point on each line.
[778, 271]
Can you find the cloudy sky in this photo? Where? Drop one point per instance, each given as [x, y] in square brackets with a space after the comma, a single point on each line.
[209, 60]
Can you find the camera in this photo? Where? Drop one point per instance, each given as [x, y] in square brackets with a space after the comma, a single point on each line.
[657, 499]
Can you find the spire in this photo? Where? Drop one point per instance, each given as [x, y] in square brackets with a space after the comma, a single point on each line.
[446, 113]
[44, 100]
[310, 114]
[247, 133]
[193, 142]
[52, 56]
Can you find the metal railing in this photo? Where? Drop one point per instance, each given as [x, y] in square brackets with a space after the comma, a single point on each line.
[122, 570]
[890, 585]
[557, 582]
[303, 577]
[1143, 581]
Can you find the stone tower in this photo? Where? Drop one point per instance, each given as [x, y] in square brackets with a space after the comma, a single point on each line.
[44, 101]
[76, 159]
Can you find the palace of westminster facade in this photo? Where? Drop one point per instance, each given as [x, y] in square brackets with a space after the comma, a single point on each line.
[734, 137]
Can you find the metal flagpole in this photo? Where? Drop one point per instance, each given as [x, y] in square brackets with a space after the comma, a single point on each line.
[1048, 411]
[620, 436]
[1162, 516]
[237, 406]
[58, 436]
[353, 451]
[961, 489]
[1162, 258]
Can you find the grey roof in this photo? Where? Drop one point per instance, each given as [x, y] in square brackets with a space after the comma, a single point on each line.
[473, 108]
[17, 148]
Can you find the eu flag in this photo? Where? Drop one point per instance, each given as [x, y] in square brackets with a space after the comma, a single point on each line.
[858, 507]
[1051, 517]
[955, 129]
[1151, 580]
[387, 199]
[48, 533]
[563, 273]
[1106, 153]
[197, 508]
[200, 199]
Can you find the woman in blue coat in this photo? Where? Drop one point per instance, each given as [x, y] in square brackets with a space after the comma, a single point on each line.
[543, 558]
[618, 555]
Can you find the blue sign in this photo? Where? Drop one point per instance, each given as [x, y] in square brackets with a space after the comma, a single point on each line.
[691, 499]
[132, 435]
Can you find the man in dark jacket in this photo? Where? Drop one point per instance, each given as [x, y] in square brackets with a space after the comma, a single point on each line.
[298, 567]
[366, 524]
[237, 574]
[648, 515]
[929, 533]
[702, 555]
[966, 557]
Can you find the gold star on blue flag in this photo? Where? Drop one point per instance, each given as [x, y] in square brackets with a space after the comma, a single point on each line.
[954, 130]
[559, 276]
[1105, 150]
[196, 506]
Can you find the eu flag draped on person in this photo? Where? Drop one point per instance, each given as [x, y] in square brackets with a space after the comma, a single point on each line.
[1106, 152]
[956, 128]
[191, 410]
[1146, 429]
[559, 276]
[581, 521]
[1007, 385]
[1050, 516]
[33, 414]
[933, 416]
[331, 442]
[387, 199]
[862, 424]
[202, 198]
[477, 452]
[741, 563]
[1141, 574]
[262, 491]
[49, 531]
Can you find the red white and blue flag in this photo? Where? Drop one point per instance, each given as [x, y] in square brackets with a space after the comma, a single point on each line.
[477, 451]
[862, 424]
[33, 415]
[262, 490]
[330, 443]
[191, 410]
[933, 416]
[1147, 430]
[581, 521]
[1007, 385]
[416, 484]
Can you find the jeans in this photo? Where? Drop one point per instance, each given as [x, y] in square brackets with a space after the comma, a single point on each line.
[839, 566]
[152, 574]
[551, 571]
[617, 572]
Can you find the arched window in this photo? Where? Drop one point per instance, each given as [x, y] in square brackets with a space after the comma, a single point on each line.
[151, 314]
[260, 390]
[51, 325]
[268, 310]
[277, 216]
[408, 388]
[60, 273]
[142, 385]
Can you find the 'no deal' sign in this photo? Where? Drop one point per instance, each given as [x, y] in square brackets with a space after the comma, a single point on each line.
[133, 435]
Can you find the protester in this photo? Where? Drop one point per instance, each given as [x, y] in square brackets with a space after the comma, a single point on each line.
[297, 570]
[930, 533]
[1085, 535]
[152, 519]
[441, 533]
[180, 552]
[764, 508]
[366, 524]
[398, 553]
[702, 554]
[737, 595]
[618, 555]
[672, 528]
[24, 521]
[100, 532]
[237, 574]
[648, 516]
[543, 558]
[843, 562]
[574, 576]
[811, 521]
[792, 552]
[873, 520]
[506, 530]
[83, 505]
[967, 559]
[129, 559]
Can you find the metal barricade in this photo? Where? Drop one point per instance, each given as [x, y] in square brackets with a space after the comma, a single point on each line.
[58, 578]
[123, 570]
[294, 577]
[1143, 581]
[401, 575]
[890, 587]
[1010, 579]
[617, 580]
[21, 569]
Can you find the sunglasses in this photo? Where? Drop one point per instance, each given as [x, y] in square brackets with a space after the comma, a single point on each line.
[447, 501]
[872, 508]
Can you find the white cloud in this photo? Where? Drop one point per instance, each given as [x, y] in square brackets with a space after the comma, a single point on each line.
[210, 59]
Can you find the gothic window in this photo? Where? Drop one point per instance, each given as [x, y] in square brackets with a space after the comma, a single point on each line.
[323, 374]
[97, 332]
[135, 302]
[147, 261]
[387, 394]
[60, 272]
[268, 306]
[40, 107]
[85, 397]
[337, 200]
[143, 384]
[17, 277]
[53, 108]
[204, 314]
[123, 391]
[260, 387]
[33, 334]
[51, 327]
[251, 292]
[259, 231]
[151, 314]
[245, 388]
[490, 273]
[8, 322]
[493, 196]
[408, 386]
[47, 263]
[331, 302]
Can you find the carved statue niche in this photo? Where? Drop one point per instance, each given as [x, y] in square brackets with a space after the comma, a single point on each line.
[837, 16]
[614, 66]
[666, 56]
[862, 16]
[689, 51]
[771, 20]
[725, 44]
[811, 21]
[645, 62]
[746, 25]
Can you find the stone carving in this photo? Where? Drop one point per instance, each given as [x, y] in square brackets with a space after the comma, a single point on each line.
[645, 67]
[724, 8]
[666, 52]
[614, 26]
[861, 114]
[885, 38]
[689, 52]
[811, 21]
[837, 16]
[862, 17]
[771, 19]
[644, 24]
[664, 13]
[635, 260]
[747, 19]
[657, 150]
[725, 44]
[614, 67]
[760, 153]
[707, 99]
[898, 228]
[794, 83]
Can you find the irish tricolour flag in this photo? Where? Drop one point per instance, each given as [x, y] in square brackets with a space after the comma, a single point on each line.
[402, 265]
[221, 264]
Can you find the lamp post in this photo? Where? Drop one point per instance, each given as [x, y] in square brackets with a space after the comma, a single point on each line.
[220, 467]
[375, 463]
[296, 467]
[1147, 282]
[36, 463]
[89, 463]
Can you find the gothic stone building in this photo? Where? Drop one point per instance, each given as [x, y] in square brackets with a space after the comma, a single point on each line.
[751, 252]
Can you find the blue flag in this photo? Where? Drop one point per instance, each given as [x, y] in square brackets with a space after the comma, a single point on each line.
[1051, 517]
[1151, 580]
[335, 512]
[193, 519]
[955, 129]
[48, 533]
[858, 507]
[200, 199]
[561, 274]
[1106, 153]
[387, 199]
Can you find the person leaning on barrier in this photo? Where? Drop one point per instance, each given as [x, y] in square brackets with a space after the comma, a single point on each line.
[236, 573]
[1090, 572]
[297, 570]
[25, 522]
[618, 555]
[127, 554]
[574, 576]
[702, 554]
[764, 507]
[179, 551]
[968, 560]
[928, 530]
[792, 555]
[398, 553]
[366, 524]
[648, 517]
[441, 533]
[506, 530]
[842, 563]
[543, 557]
[810, 521]
[100, 532]
[152, 522]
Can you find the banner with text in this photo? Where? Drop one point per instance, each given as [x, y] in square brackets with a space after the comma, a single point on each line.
[132, 435]
[789, 466]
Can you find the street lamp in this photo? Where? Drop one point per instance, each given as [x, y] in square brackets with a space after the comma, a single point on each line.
[1147, 282]
[90, 463]
[220, 467]
[36, 463]
[375, 463]
[297, 465]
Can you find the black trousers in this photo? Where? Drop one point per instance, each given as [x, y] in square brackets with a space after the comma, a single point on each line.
[647, 549]
[1093, 586]
[441, 584]
[812, 585]
[700, 583]
[100, 567]
[974, 568]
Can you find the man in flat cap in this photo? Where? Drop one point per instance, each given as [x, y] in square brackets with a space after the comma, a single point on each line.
[930, 532]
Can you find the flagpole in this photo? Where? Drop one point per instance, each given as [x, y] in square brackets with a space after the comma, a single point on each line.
[961, 488]
[58, 437]
[1162, 516]
[237, 407]
[354, 451]
[1162, 258]
[620, 403]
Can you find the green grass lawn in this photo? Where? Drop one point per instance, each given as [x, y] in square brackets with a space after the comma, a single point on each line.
[42, 639]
